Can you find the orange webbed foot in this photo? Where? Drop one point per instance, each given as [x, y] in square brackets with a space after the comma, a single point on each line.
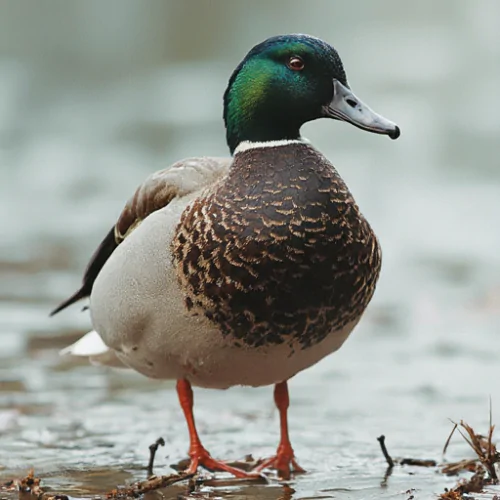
[283, 462]
[201, 458]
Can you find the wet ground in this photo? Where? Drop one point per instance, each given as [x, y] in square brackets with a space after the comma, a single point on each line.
[403, 373]
[427, 350]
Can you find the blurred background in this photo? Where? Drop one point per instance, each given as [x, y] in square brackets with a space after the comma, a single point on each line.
[95, 95]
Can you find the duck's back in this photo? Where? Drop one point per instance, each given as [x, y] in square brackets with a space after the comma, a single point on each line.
[278, 253]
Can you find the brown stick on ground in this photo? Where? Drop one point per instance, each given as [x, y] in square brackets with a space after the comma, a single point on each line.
[449, 437]
[465, 465]
[30, 487]
[390, 461]
[152, 453]
[483, 447]
[153, 483]
[418, 462]
[483, 467]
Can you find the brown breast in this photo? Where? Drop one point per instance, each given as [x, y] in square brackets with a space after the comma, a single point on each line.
[278, 251]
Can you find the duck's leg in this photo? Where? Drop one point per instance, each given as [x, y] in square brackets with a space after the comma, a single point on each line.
[198, 454]
[284, 459]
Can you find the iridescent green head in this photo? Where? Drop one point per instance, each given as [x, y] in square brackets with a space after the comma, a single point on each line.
[286, 81]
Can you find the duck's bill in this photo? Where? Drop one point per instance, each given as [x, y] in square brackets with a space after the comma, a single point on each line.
[347, 107]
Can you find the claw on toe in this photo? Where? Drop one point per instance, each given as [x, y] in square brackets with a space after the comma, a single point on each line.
[284, 464]
[201, 458]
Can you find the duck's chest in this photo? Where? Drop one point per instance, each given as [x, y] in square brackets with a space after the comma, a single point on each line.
[278, 252]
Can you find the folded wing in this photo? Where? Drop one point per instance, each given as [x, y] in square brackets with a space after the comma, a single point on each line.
[158, 190]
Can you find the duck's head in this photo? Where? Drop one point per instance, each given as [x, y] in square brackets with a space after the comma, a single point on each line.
[287, 81]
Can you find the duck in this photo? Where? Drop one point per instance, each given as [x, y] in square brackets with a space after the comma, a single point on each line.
[245, 270]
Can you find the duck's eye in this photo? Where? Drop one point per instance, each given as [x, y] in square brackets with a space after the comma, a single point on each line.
[296, 63]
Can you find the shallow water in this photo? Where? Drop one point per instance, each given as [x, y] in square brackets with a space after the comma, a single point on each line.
[73, 148]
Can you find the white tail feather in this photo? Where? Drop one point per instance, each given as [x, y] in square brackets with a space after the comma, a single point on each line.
[91, 344]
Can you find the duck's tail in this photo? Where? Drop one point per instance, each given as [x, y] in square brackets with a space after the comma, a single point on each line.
[93, 347]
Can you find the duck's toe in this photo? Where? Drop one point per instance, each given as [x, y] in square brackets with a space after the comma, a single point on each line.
[283, 463]
[201, 458]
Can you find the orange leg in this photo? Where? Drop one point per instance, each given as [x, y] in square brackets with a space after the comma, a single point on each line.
[198, 454]
[284, 458]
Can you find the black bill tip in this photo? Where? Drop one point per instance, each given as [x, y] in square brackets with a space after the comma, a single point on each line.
[395, 133]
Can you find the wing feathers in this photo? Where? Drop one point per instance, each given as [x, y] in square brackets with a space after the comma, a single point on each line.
[98, 259]
[157, 191]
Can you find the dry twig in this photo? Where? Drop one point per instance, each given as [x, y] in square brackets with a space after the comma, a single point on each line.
[419, 462]
[388, 458]
[153, 483]
[152, 453]
[466, 465]
[29, 486]
[484, 466]
[445, 447]
[484, 448]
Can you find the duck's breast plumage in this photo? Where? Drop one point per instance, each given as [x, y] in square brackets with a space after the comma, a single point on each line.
[278, 252]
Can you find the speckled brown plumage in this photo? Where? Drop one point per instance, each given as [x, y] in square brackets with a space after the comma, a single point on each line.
[278, 251]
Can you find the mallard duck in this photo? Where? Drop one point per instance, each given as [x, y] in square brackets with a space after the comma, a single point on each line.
[243, 270]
